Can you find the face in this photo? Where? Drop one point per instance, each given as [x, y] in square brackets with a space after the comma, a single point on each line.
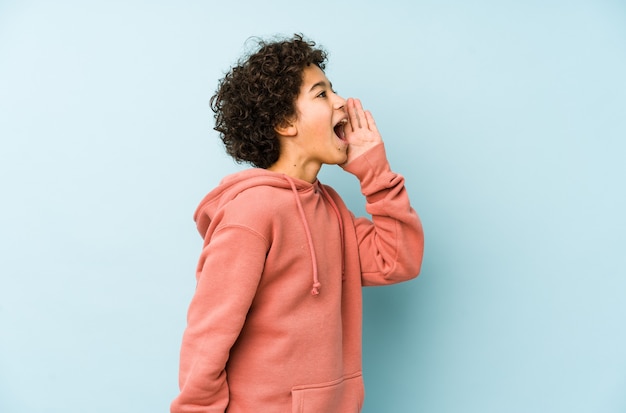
[321, 116]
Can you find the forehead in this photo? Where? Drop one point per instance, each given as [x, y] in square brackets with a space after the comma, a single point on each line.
[313, 77]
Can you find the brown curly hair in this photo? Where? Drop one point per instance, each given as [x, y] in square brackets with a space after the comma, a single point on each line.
[258, 94]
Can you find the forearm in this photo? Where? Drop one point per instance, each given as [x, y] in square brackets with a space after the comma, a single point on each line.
[391, 245]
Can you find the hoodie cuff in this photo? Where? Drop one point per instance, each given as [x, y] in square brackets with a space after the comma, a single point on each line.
[372, 169]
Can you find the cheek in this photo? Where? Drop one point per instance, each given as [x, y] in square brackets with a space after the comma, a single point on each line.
[315, 128]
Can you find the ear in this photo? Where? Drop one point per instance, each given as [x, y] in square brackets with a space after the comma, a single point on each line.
[287, 128]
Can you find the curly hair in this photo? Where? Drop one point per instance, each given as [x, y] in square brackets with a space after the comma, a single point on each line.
[258, 94]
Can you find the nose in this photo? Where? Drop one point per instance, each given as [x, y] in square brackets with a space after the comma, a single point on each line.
[340, 102]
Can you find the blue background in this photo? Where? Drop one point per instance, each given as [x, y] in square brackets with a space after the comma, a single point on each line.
[508, 120]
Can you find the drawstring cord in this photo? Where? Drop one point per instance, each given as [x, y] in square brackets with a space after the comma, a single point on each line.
[316, 282]
[336, 209]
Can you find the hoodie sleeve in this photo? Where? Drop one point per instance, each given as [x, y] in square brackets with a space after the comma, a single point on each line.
[228, 277]
[391, 245]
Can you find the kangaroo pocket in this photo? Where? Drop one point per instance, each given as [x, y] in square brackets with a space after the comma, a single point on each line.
[344, 395]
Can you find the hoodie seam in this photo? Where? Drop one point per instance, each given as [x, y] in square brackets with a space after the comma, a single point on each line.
[244, 227]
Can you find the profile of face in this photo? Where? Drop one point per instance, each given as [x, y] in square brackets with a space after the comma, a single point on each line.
[320, 119]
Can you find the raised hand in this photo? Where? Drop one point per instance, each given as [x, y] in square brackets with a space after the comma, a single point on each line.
[361, 131]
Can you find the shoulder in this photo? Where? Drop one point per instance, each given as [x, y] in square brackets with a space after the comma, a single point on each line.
[262, 199]
[257, 208]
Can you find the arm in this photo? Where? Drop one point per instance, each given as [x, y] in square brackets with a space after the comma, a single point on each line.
[391, 245]
[227, 280]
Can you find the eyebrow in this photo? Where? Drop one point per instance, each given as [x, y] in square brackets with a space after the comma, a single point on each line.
[321, 84]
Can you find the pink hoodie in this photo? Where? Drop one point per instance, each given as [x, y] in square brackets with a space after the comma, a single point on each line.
[275, 322]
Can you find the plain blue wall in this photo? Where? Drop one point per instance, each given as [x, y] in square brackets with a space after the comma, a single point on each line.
[508, 120]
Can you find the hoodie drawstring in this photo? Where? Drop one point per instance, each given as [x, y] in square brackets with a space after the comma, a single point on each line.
[316, 282]
[336, 209]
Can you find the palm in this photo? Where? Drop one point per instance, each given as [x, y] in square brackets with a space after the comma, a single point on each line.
[361, 132]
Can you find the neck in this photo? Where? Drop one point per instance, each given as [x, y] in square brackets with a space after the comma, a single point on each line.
[296, 169]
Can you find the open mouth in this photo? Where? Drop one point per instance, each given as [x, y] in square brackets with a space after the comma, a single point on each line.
[339, 129]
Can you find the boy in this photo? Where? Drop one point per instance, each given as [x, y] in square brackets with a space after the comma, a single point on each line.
[275, 322]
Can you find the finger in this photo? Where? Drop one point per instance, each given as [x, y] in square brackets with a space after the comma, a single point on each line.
[371, 123]
[355, 120]
[358, 107]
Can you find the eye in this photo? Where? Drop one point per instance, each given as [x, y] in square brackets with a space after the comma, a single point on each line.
[322, 94]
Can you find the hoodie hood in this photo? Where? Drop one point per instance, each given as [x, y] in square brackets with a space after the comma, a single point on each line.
[234, 184]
